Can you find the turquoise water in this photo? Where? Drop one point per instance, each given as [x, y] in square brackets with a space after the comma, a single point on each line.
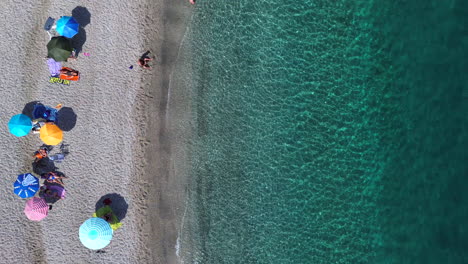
[327, 132]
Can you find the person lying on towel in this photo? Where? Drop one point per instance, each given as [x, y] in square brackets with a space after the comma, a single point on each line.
[69, 71]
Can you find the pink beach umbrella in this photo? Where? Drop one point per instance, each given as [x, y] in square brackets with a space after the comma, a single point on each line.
[36, 209]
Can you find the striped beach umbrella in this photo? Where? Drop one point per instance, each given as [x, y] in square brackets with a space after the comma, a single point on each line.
[20, 125]
[95, 233]
[67, 26]
[36, 209]
[26, 185]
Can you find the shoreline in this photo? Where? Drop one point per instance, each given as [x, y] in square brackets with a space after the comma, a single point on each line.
[165, 193]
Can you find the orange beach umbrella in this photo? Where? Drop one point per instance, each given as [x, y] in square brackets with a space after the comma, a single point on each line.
[51, 134]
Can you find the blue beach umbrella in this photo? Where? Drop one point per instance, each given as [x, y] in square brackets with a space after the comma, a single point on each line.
[44, 112]
[95, 233]
[20, 125]
[67, 26]
[26, 185]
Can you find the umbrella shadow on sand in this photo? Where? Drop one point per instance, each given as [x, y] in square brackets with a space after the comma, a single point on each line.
[118, 204]
[29, 108]
[43, 165]
[66, 119]
[83, 17]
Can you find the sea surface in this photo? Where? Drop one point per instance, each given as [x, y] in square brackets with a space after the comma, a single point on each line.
[326, 131]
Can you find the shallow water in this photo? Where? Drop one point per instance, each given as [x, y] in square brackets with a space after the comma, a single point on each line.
[326, 132]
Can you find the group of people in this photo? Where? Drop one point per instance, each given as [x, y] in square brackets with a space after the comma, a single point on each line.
[44, 114]
[53, 186]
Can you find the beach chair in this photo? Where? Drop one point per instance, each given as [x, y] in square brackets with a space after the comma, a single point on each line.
[59, 157]
[49, 26]
[65, 149]
[49, 23]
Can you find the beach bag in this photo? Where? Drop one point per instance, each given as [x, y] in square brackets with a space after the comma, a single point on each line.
[54, 67]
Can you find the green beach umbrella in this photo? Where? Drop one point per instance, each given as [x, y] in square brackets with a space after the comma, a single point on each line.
[59, 48]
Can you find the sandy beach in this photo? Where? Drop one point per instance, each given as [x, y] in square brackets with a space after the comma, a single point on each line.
[121, 143]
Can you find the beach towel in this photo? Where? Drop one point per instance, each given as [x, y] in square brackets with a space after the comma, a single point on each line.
[69, 74]
[54, 67]
[115, 224]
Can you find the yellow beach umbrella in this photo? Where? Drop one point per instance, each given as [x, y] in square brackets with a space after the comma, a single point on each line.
[51, 134]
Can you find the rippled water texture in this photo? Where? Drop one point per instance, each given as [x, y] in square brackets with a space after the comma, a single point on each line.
[326, 132]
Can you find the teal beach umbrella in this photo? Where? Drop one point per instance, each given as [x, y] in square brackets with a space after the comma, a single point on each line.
[20, 125]
[95, 233]
[67, 26]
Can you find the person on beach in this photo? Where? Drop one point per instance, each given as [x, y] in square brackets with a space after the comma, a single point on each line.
[51, 194]
[52, 177]
[73, 56]
[41, 153]
[108, 216]
[143, 61]
[69, 72]
[36, 126]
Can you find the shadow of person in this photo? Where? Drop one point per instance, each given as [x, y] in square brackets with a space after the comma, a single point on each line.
[66, 119]
[83, 17]
[118, 204]
[29, 108]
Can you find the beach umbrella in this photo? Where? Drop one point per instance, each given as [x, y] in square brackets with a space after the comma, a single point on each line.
[67, 26]
[59, 48]
[26, 185]
[95, 233]
[51, 134]
[20, 125]
[36, 209]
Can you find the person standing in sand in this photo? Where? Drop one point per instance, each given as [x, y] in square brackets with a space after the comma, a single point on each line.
[144, 59]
